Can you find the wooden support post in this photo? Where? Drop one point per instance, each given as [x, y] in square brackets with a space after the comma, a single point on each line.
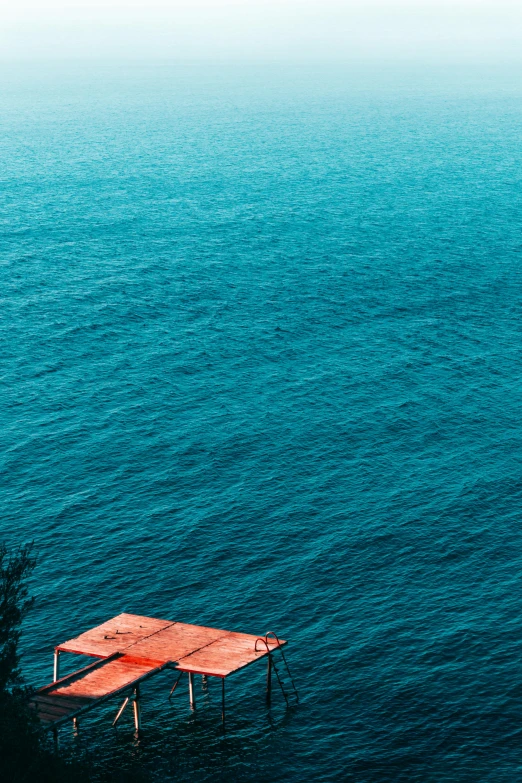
[269, 680]
[175, 685]
[56, 665]
[76, 727]
[137, 709]
[120, 711]
[192, 698]
[56, 741]
[223, 702]
[204, 682]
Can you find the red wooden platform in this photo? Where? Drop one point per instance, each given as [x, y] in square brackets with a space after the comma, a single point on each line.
[192, 648]
[132, 648]
[81, 691]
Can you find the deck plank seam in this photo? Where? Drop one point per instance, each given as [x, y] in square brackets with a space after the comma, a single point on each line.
[62, 648]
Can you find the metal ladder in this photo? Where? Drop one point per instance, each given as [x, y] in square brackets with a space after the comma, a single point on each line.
[292, 692]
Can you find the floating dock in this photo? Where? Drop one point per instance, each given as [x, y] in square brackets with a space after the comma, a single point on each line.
[130, 649]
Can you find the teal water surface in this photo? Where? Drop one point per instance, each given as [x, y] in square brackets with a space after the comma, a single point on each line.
[261, 369]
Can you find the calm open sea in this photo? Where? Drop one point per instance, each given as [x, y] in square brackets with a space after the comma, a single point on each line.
[261, 334]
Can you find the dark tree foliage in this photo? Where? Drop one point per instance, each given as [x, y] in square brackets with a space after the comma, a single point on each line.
[15, 603]
[25, 753]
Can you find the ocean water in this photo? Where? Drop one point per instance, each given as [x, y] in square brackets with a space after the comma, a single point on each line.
[260, 340]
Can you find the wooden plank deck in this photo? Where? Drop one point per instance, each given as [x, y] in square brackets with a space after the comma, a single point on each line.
[132, 648]
[175, 642]
[83, 690]
[226, 655]
[115, 635]
[193, 648]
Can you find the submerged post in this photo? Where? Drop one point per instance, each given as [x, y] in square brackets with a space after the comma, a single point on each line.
[192, 698]
[137, 710]
[269, 680]
[56, 665]
[223, 702]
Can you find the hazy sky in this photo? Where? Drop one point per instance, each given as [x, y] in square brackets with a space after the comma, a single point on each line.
[302, 30]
